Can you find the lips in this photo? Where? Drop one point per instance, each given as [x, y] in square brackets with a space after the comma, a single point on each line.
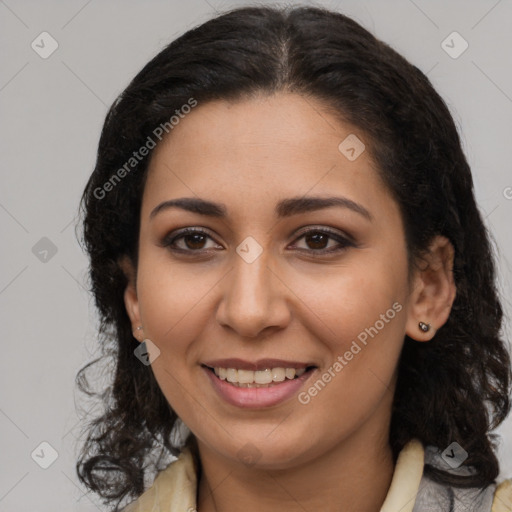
[263, 383]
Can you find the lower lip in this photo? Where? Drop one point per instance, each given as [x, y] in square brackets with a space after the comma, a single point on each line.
[254, 398]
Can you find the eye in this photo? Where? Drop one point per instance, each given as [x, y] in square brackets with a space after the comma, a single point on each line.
[188, 240]
[194, 240]
[317, 241]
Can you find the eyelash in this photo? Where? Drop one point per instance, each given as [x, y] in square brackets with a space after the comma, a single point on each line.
[345, 242]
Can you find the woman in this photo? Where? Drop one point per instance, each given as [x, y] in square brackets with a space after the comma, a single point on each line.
[288, 260]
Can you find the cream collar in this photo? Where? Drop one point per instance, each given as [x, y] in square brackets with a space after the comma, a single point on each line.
[174, 489]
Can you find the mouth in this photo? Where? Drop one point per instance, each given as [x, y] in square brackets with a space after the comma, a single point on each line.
[263, 384]
[265, 378]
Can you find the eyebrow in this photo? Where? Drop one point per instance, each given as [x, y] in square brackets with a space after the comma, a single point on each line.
[284, 208]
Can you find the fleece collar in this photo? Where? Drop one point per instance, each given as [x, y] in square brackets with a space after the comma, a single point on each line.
[174, 489]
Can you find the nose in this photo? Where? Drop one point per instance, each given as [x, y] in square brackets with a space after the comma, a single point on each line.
[255, 301]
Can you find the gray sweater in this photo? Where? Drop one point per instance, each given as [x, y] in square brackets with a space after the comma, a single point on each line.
[434, 497]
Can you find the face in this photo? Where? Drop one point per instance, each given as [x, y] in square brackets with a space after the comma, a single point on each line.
[271, 284]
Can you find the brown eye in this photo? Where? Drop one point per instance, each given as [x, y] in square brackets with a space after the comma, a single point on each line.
[188, 240]
[194, 241]
[317, 241]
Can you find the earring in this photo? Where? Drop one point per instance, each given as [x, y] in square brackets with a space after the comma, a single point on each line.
[136, 331]
[424, 327]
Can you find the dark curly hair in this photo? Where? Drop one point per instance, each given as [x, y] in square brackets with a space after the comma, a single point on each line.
[454, 388]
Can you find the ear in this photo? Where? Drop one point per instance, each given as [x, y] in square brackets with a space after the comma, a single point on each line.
[433, 290]
[131, 301]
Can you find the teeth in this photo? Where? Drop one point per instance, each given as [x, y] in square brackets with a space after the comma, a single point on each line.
[249, 378]
[278, 374]
[231, 375]
[289, 373]
[263, 376]
[245, 377]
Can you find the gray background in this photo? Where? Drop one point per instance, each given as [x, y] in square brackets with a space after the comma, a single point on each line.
[52, 111]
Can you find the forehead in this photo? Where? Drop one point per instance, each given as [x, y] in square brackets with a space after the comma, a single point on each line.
[252, 152]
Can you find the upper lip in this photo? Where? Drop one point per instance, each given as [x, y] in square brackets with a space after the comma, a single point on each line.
[260, 364]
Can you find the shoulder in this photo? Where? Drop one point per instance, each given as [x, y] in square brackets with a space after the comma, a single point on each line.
[434, 496]
[503, 497]
[174, 488]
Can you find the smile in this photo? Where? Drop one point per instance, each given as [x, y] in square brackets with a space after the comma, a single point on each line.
[260, 378]
[259, 387]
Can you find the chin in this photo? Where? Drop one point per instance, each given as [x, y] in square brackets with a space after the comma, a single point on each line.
[265, 454]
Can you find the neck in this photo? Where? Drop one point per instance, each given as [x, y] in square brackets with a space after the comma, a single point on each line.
[353, 475]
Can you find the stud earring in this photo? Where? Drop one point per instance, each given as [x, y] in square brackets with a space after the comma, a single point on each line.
[424, 327]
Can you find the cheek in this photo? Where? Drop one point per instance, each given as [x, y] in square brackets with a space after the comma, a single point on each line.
[348, 303]
[173, 315]
[172, 305]
[367, 311]
[168, 293]
[368, 320]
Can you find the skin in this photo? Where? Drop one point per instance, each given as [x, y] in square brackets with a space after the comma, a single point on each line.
[287, 304]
